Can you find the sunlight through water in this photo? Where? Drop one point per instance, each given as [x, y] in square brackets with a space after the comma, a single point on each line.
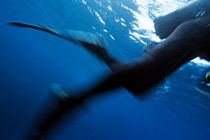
[148, 10]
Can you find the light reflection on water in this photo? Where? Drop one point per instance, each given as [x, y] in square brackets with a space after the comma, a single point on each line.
[141, 28]
[150, 9]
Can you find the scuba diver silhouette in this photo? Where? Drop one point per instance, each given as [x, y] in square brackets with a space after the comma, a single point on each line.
[190, 39]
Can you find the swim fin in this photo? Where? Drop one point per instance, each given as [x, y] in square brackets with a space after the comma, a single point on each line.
[58, 92]
[75, 36]
[63, 96]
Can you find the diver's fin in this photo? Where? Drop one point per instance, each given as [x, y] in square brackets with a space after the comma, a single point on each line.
[38, 27]
[58, 91]
[79, 37]
[63, 96]
[93, 42]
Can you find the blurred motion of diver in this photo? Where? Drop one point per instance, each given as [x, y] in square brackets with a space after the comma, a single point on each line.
[188, 40]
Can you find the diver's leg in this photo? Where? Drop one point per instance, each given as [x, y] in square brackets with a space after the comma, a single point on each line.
[67, 103]
[165, 25]
[206, 54]
[150, 46]
[102, 54]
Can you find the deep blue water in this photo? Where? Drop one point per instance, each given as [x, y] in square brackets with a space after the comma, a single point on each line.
[32, 60]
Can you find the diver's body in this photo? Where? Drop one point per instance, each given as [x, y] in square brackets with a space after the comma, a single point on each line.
[138, 77]
[190, 40]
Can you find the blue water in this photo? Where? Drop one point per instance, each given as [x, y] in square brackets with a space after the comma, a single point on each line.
[32, 60]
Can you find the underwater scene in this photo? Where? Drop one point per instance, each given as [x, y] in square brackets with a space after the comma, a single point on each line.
[37, 54]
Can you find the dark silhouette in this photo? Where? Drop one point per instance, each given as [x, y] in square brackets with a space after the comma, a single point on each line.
[189, 40]
[196, 9]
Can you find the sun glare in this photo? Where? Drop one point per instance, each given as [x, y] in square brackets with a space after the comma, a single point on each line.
[150, 9]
